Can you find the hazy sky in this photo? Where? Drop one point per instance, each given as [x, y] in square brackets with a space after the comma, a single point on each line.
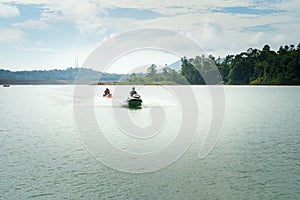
[48, 34]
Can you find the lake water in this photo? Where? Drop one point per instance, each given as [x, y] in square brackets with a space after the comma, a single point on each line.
[43, 154]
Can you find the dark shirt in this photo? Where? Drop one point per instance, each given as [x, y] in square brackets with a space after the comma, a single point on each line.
[106, 92]
[133, 92]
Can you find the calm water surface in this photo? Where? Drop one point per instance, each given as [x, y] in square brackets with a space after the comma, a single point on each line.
[256, 157]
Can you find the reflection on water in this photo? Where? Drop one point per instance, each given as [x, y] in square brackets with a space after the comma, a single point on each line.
[257, 156]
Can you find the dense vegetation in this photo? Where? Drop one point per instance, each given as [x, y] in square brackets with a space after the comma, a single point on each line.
[262, 66]
[167, 76]
[69, 74]
[251, 67]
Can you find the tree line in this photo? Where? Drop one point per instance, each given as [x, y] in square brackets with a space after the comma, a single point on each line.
[166, 76]
[254, 66]
[262, 66]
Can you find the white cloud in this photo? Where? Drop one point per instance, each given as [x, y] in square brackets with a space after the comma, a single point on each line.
[171, 6]
[39, 43]
[26, 2]
[223, 33]
[85, 14]
[7, 11]
[32, 24]
[138, 61]
[209, 34]
[219, 33]
[11, 35]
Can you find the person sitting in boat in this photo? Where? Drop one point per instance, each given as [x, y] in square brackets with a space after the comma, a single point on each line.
[133, 92]
[106, 92]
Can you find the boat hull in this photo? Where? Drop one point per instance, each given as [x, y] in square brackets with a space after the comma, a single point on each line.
[108, 96]
[134, 102]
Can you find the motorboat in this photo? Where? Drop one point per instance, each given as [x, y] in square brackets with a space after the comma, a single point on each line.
[134, 101]
[108, 96]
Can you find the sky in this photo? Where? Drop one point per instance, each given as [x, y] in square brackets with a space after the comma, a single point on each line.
[50, 34]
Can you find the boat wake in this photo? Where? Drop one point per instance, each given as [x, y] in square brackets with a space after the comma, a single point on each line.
[121, 102]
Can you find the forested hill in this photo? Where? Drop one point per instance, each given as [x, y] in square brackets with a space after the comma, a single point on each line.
[265, 67]
[262, 66]
[67, 75]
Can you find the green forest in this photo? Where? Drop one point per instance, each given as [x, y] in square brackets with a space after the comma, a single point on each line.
[167, 76]
[257, 67]
[263, 66]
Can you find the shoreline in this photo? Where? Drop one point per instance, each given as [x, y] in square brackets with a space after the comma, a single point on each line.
[4, 84]
[114, 83]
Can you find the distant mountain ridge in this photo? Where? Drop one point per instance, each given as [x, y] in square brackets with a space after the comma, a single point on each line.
[68, 75]
[176, 65]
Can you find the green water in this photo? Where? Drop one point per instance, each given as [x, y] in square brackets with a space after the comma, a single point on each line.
[256, 157]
